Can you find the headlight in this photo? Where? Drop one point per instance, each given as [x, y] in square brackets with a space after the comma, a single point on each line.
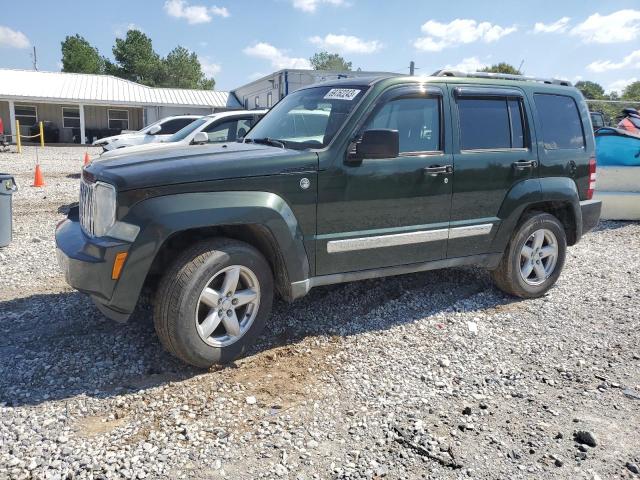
[98, 212]
[104, 208]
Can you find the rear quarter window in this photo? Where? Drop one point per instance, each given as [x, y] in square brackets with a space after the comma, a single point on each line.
[561, 123]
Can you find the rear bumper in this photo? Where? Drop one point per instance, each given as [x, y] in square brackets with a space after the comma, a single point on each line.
[590, 214]
[87, 264]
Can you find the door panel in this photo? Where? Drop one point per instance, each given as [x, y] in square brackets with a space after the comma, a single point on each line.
[492, 152]
[384, 212]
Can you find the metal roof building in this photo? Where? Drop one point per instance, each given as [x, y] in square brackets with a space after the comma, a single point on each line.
[81, 105]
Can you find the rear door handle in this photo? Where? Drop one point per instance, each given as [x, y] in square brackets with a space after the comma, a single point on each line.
[438, 169]
[524, 164]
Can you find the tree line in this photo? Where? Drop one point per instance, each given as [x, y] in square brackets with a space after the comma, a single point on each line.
[136, 60]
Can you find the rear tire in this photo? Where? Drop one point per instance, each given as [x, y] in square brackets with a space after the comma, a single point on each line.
[534, 257]
[213, 302]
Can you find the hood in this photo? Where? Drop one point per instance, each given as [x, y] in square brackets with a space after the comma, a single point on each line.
[174, 164]
[115, 138]
[133, 149]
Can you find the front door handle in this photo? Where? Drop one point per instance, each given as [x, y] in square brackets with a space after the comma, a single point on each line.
[434, 170]
[524, 164]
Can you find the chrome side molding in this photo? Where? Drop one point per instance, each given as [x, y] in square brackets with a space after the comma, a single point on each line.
[393, 240]
[410, 238]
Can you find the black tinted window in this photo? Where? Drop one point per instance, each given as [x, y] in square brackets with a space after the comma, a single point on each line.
[484, 123]
[416, 119]
[172, 126]
[515, 117]
[560, 119]
[597, 120]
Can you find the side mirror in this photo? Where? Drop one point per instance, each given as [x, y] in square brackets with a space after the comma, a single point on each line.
[200, 138]
[155, 129]
[380, 143]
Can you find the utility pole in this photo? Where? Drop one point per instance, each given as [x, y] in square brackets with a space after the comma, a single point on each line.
[412, 68]
[34, 59]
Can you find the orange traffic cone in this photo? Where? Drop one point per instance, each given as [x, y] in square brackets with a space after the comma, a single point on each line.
[87, 160]
[38, 179]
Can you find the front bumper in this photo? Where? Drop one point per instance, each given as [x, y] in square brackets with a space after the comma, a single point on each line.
[87, 264]
[590, 214]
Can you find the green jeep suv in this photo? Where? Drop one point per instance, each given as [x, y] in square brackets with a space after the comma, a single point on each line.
[346, 180]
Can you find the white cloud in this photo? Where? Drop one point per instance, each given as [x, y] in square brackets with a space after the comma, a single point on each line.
[312, 5]
[193, 14]
[558, 26]
[619, 85]
[346, 44]
[630, 61]
[220, 11]
[210, 69]
[13, 38]
[439, 36]
[620, 26]
[278, 58]
[471, 64]
[121, 30]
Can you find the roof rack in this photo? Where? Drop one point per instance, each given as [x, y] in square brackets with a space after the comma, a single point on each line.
[501, 76]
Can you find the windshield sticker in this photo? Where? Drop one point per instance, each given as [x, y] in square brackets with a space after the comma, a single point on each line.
[342, 94]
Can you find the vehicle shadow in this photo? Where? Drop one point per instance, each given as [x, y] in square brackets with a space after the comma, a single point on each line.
[614, 224]
[57, 346]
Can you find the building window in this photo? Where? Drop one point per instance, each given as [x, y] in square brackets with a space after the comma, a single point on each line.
[269, 100]
[27, 115]
[246, 104]
[70, 117]
[256, 102]
[118, 119]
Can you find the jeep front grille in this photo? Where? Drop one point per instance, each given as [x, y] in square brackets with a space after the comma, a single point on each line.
[86, 206]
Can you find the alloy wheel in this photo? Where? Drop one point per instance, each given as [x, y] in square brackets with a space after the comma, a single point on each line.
[227, 306]
[539, 256]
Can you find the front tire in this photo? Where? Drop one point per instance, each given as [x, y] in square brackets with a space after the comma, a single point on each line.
[213, 302]
[534, 257]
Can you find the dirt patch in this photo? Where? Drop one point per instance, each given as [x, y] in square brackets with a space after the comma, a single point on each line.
[96, 425]
[284, 376]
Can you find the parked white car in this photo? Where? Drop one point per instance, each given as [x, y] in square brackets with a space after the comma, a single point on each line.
[159, 131]
[214, 128]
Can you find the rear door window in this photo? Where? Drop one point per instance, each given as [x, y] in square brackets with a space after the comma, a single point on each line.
[560, 119]
[491, 123]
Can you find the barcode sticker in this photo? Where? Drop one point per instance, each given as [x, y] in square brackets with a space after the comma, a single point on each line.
[342, 94]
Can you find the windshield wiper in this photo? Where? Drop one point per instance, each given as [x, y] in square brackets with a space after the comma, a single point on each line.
[267, 141]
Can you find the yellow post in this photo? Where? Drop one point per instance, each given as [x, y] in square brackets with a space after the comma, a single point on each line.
[18, 141]
[41, 134]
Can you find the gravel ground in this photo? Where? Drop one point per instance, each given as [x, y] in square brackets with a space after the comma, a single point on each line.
[433, 375]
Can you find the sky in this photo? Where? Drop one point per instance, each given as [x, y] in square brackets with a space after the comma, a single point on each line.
[239, 41]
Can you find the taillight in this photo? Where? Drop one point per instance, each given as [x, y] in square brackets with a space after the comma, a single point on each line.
[592, 178]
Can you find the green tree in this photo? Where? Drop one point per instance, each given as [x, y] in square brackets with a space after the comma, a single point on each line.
[182, 69]
[79, 56]
[136, 60]
[590, 90]
[502, 67]
[632, 91]
[329, 61]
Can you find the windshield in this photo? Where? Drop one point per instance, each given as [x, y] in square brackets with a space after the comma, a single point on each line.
[148, 127]
[185, 131]
[307, 118]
